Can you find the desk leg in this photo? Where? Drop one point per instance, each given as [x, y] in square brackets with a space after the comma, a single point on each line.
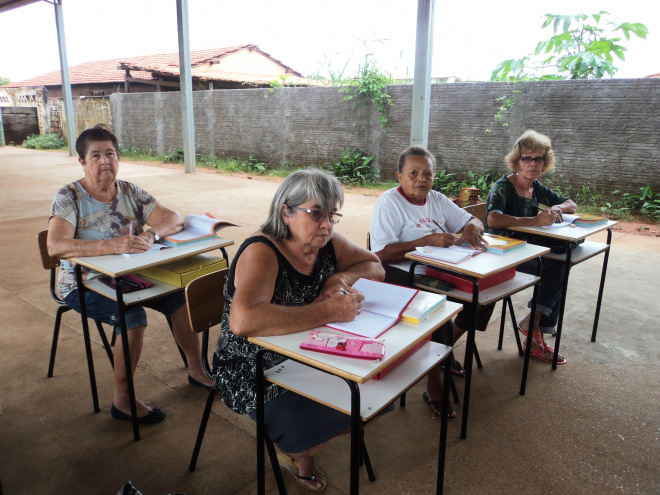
[88, 344]
[442, 448]
[261, 474]
[356, 451]
[602, 285]
[127, 358]
[528, 346]
[567, 271]
[469, 352]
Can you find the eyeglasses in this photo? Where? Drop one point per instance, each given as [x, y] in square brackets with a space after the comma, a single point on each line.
[539, 160]
[319, 215]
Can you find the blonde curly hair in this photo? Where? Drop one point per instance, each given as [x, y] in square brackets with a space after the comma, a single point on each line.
[529, 142]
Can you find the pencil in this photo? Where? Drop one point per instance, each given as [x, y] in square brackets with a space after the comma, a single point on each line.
[439, 226]
[540, 208]
[130, 228]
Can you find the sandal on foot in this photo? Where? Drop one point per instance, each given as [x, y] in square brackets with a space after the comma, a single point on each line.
[457, 369]
[291, 466]
[546, 353]
[151, 418]
[196, 383]
[524, 332]
[431, 403]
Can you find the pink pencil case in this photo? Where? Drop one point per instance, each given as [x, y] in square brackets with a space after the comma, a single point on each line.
[344, 345]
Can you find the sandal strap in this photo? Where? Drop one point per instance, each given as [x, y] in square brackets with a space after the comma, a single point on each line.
[306, 478]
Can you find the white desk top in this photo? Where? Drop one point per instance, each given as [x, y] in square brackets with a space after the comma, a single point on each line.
[486, 264]
[375, 395]
[568, 232]
[398, 339]
[116, 265]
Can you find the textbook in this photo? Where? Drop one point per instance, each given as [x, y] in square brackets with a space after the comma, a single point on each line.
[197, 228]
[500, 244]
[586, 220]
[452, 254]
[579, 220]
[422, 305]
[382, 308]
[343, 345]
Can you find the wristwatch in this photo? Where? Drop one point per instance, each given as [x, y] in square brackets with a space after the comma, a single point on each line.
[156, 236]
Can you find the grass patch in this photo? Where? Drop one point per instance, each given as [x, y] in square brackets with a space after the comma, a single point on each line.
[45, 142]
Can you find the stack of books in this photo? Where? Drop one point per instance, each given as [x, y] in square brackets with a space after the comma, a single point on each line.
[586, 220]
[500, 244]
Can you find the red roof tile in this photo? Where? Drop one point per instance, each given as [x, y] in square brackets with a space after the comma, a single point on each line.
[107, 71]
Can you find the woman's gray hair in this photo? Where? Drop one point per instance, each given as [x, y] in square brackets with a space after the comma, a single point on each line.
[297, 188]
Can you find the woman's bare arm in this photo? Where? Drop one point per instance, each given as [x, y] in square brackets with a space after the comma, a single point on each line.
[252, 312]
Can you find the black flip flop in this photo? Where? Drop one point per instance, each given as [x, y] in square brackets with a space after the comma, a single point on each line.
[432, 403]
[457, 369]
[151, 418]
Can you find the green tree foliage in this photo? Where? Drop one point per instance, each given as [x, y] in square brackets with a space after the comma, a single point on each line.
[4, 80]
[583, 47]
[368, 85]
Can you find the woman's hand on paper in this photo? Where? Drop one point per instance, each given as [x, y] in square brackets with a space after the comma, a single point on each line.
[129, 244]
[473, 237]
[438, 240]
[548, 217]
[344, 306]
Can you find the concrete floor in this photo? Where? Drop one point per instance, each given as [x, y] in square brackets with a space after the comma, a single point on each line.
[590, 427]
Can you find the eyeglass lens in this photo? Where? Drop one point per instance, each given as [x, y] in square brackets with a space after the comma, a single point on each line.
[536, 159]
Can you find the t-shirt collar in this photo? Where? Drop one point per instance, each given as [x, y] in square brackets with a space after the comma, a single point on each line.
[400, 191]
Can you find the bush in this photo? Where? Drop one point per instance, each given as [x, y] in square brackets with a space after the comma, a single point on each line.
[45, 142]
[354, 167]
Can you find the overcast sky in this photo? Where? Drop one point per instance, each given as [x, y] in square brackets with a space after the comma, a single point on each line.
[471, 36]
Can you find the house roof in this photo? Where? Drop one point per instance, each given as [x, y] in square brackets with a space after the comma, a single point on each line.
[150, 66]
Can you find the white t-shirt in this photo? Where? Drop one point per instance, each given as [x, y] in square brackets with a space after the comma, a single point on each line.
[395, 219]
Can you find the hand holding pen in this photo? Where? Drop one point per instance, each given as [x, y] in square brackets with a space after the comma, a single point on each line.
[548, 215]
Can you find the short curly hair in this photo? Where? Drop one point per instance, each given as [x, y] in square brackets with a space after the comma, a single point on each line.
[529, 142]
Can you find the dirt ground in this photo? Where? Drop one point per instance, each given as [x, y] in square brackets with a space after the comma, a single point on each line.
[647, 229]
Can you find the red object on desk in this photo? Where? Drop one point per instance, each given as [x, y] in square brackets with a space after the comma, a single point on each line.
[465, 285]
[396, 363]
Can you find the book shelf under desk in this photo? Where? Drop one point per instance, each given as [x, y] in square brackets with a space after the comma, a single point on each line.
[586, 250]
[492, 294]
[375, 395]
[139, 296]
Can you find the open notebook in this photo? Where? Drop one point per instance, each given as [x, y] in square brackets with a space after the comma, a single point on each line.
[382, 308]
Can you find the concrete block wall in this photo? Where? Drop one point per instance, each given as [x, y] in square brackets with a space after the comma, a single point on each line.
[605, 133]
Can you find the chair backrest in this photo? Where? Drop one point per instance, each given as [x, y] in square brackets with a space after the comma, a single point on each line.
[205, 300]
[478, 211]
[47, 261]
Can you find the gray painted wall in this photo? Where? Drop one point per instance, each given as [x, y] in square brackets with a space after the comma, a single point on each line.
[605, 133]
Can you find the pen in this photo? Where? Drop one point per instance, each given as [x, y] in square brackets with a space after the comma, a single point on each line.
[537, 206]
[439, 226]
[130, 228]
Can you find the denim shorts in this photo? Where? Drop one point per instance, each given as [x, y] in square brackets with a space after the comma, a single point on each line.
[105, 310]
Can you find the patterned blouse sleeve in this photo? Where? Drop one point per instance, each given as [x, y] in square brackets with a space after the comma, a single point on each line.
[548, 197]
[64, 205]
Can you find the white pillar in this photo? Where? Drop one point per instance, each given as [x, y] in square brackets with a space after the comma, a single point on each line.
[421, 105]
[185, 83]
[66, 82]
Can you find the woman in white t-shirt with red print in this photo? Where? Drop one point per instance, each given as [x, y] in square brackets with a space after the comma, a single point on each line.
[412, 215]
